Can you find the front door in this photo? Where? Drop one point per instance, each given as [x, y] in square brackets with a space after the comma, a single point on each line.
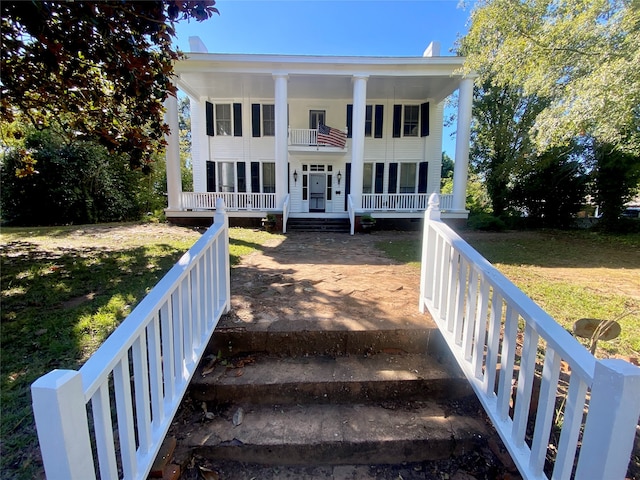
[317, 188]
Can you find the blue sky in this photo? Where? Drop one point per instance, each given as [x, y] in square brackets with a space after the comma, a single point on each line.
[344, 27]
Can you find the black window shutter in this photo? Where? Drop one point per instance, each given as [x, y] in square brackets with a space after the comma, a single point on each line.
[424, 120]
[347, 185]
[255, 119]
[211, 176]
[349, 121]
[241, 169]
[368, 115]
[423, 172]
[208, 107]
[393, 178]
[379, 186]
[237, 119]
[255, 177]
[397, 120]
[377, 132]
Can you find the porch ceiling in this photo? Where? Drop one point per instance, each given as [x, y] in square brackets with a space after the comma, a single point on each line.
[309, 77]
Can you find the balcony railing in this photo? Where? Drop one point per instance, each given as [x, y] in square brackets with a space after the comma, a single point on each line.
[233, 201]
[398, 202]
[308, 137]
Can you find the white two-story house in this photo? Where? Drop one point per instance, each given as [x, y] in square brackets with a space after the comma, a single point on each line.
[317, 136]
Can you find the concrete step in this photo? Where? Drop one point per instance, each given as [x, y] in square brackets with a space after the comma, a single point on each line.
[333, 434]
[260, 379]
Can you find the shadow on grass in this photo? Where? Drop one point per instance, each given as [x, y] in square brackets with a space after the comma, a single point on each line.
[57, 308]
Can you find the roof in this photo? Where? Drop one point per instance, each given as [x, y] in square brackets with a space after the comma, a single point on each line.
[316, 76]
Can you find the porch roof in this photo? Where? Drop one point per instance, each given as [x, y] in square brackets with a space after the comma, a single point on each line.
[406, 78]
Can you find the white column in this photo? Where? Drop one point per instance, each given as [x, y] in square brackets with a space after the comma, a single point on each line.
[463, 135]
[357, 138]
[174, 180]
[281, 132]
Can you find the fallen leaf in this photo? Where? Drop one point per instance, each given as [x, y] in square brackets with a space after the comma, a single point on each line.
[210, 367]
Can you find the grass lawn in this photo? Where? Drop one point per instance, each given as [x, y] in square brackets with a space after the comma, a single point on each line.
[64, 290]
[570, 274]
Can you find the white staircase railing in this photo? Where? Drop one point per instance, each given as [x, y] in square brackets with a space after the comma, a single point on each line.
[134, 383]
[506, 344]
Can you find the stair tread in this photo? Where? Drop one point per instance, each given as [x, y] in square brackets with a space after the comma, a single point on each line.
[327, 424]
[384, 367]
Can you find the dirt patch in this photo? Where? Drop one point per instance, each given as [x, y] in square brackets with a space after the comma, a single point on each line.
[308, 276]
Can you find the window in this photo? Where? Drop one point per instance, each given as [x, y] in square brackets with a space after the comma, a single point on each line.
[226, 177]
[223, 119]
[410, 120]
[411, 116]
[268, 120]
[316, 117]
[407, 178]
[372, 123]
[269, 177]
[367, 177]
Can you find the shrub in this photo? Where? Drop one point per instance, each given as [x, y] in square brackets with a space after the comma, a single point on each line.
[485, 222]
[52, 182]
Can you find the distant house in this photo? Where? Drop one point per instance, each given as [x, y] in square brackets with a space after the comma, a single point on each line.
[317, 136]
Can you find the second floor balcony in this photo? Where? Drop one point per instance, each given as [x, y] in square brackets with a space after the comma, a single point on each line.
[314, 140]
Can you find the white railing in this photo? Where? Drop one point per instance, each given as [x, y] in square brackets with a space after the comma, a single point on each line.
[500, 337]
[395, 202]
[306, 137]
[134, 383]
[303, 136]
[352, 214]
[232, 201]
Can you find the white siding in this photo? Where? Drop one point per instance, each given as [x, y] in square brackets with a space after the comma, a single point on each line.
[386, 149]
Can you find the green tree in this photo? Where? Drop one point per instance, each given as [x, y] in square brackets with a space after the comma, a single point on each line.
[93, 69]
[616, 179]
[553, 189]
[583, 58]
[500, 137]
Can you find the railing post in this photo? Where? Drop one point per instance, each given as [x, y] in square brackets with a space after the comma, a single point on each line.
[611, 423]
[61, 419]
[222, 217]
[428, 248]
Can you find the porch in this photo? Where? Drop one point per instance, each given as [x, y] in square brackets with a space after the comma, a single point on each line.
[490, 326]
[258, 205]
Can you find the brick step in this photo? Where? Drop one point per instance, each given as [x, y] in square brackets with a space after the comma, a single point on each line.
[259, 379]
[336, 337]
[333, 434]
[318, 224]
